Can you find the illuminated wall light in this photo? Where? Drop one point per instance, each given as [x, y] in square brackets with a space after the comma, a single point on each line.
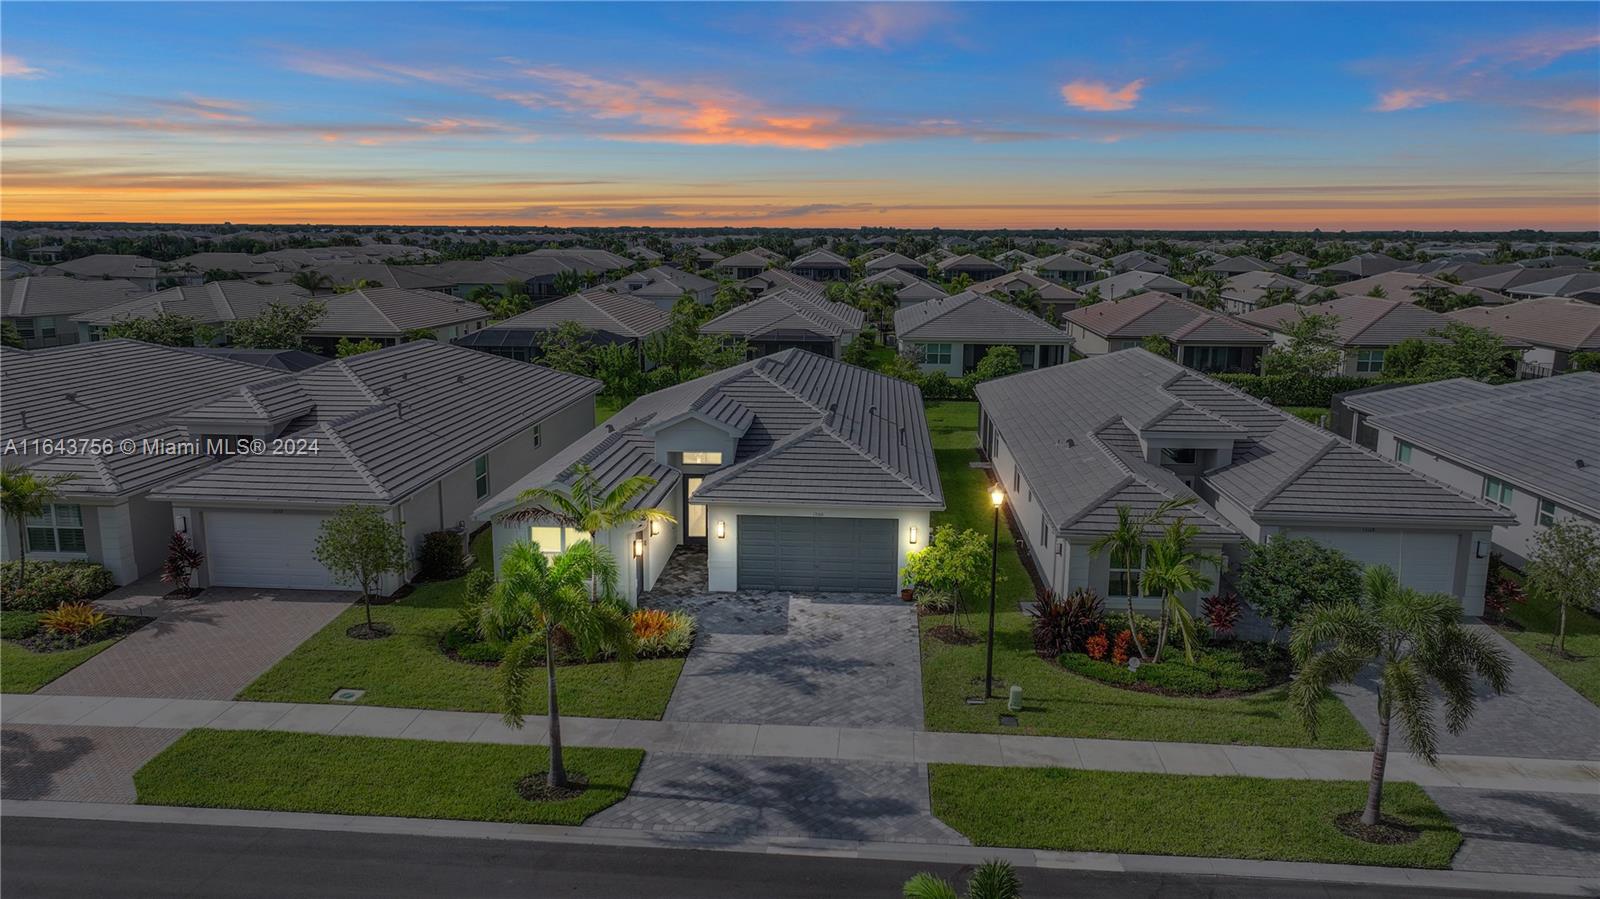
[913, 535]
[722, 529]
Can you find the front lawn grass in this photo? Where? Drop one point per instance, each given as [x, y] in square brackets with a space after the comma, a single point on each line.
[1174, 814]
[24, 671]
[293, 772]
[408, 669]
[1056, 702]
[1538, 619]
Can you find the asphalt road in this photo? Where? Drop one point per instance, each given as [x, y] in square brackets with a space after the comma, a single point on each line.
[70, 858]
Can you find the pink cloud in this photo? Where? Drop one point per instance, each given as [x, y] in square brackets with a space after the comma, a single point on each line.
[1101, 97]
[876, 25]
[14, 67]
[1410, 98]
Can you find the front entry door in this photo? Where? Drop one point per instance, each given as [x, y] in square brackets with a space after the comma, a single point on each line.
[695, 516]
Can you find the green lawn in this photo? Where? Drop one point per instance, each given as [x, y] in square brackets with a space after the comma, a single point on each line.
[408, 670]
[605, 407]
[25, 671]
[1056, 702]
[293, 772]
[1539, 618]
[1313, 414]
[1172, 814]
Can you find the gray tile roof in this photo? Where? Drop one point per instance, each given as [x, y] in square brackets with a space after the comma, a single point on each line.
[46, 295]
[1404, 285]
[820, 259]
[408, 277]
[1234, 265]
[1129, 283]
[1362, 321]
[785, 310]
[391, 312]
[1074, 430]
[1543, 435]
[1517, 276]
[214, 303]
[814, 432]
[747, 259]
[1250, 287]
[895, 261]
[969, 263]
[1560, 286]
[972, 317]
[111, 265]
[1017, 282]
[1153, 313]
[596, 310]
[1365, 264]
[1558, 322]
[1060, 262]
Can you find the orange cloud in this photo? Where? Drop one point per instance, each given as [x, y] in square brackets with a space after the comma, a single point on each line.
[1410, 98]
[1101, 97]
[14, 67]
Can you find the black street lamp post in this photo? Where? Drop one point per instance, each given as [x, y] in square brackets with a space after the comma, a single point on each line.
[997, 498]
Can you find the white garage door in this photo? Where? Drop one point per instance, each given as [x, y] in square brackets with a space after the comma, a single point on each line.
[1423, 560]
[265, 549]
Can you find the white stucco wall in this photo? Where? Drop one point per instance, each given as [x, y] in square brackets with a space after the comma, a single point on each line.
[723, 552]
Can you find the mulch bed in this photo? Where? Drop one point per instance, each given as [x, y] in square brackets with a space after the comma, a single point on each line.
[377, 631]
[1387, 832]
[535, 788]
[43, 641]
[944, 633]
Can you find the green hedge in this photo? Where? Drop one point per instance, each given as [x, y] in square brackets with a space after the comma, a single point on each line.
[1212, 671]
[1294, 390]
[50, 584]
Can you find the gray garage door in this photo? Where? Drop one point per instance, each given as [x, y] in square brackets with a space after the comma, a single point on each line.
[824, 555]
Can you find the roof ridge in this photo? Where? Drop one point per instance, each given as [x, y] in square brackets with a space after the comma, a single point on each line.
[874, 457]
[1327, 446]
[221, 299]
[355, 462]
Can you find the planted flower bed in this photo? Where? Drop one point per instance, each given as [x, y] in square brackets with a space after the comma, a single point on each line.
[659, 635]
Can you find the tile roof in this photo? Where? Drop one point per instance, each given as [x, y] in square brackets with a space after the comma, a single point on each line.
[1362, 321]
[391, 311]
[1558, 322]
[895, 261]
[972, 317]
[1559, 286]
[214, 303]
[786, 310]
[596, 310]
[1020, 281]
[47, 295]
[1153, 313]
[968, 262]
[1060, 262]
[1129, 283]
[1404, 286]
[1365, 264]
[111, 265]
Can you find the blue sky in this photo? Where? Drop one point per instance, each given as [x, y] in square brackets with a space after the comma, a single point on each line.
[1028, 115]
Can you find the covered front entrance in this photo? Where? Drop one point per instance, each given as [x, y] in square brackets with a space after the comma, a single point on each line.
[817, 554]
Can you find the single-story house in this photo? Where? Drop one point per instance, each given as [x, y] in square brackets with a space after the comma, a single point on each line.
[1237, 265]
[821, 265]
[1129, 283]
[793, 471]
[952, 334]
[1553, 328]
[1015, 259]
[890, 261]
[217, 303]
[147, 273]
[43, 306]
[744, 265]
[1243, 293]
[583, 260]
[787, 318]
[1569, 285]
[1063, 268]
[532, 275]
[909, 289]
[343, 273]
[975, 267]
[243, 265]
[1518, 276]
[662, 286]
[1528, 447]
[1404, 286]
[1364, 265]
[1365, 328]
[775, 279]
[1071, 444]
[1298, 263]
[1139, 261]
[1054, 298]
[387, 315]
[611, 317]
[1202, 339]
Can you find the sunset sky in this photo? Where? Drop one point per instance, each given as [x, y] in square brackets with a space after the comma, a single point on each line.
[1472, 116]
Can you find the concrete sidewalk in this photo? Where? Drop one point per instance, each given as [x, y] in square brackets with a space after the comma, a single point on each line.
[806, 742]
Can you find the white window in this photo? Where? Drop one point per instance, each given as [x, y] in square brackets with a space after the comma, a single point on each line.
[480, 476]
[1124, 576]
[552, 539]
[1369, 361]
[936, 353]
[702, 458]
[47, 327]
[24, 327]
[1547, 513]
[1402, 451]
[58, 530]
[1497, 491]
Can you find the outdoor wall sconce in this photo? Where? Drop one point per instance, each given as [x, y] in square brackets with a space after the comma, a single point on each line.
[655, 528]
[1477, 549]
[722, 529]
[913, 535]
[638, 548]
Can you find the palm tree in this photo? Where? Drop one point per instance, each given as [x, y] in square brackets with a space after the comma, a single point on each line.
[311, 281]
[25, 495]
[1417, 642]
[1126, 543]
[533, 601]
[1172, 570]
[583, 507]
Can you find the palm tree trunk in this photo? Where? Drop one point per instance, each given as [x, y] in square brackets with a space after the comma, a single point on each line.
[22, 554]
[1380, 761]
[1133, 631]
[1161, 635]
[1561, 632]
[558, 769]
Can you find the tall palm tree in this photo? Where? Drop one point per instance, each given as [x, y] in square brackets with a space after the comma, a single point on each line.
[1171, 570]
[25, 495]
[1126, 543]
[584, 507]
[1417, 642]
[535, 599]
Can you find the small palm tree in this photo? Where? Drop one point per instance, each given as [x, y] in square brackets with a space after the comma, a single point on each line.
[25, 495]
[1126, 543]
[1417, 642]
[585, 508]
[994, 879]
[311, 281]
[535, 600]
[1171, 570]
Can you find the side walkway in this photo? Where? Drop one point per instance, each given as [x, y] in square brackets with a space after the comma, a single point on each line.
[887, 745]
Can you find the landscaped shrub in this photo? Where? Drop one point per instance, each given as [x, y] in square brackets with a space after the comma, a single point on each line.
[1099, 670]
[1502, 592]
[182, 562]
[1221, 612]
[440, 557]
[1239, 668]
[1176, 677]
[934, 602]
[1063, 623]
[1293, 390]
[72, 619]
[1097, 646]
[50, 584]
[660, 633]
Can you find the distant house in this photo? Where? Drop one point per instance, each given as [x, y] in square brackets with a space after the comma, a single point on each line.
[388, 315]
[1139, 261]
[890, 261]
[215, 304]
[1244, 292]
[242, 265]
[1569, 285]
[1015, 259]
[1054, 298]
[1201, 339]
[744, 265]
[1357, 267]
[42, 307]
[583, 260]
[611, 317]
[452, 276]
[1129, 283]
[786, 318]
[975, 267]
[1073, 443]
[1366, 328]
[147, 273]
[1404, 286]
[774, 279]
[1063, 268]
[953, 334]
[1552, 327]
[821, 265]
[908, 288]
[1237, 265]
[1517, 276]
[1292, 260]
[663, 285]
[1530, 448]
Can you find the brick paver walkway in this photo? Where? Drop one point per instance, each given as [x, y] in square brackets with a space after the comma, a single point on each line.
[76, 764]
[208, 647]
[735, 798]
[1524, 833]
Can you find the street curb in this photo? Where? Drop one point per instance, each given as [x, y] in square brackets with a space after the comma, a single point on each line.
[1468, 881]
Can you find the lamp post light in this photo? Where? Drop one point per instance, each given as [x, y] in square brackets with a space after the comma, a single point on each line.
[996, 497]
